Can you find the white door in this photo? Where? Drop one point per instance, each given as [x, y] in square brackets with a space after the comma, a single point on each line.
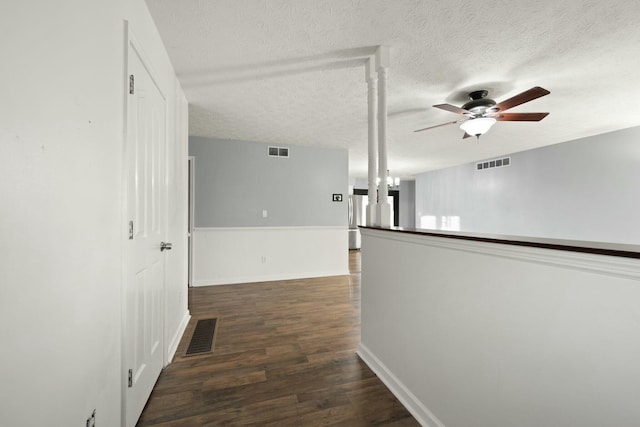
[145, 160]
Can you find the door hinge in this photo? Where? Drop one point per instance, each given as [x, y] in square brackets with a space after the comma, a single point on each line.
[130, 378]
[131, 230]
[131, 84]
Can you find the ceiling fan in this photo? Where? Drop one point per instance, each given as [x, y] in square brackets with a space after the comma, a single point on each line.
[481, 112]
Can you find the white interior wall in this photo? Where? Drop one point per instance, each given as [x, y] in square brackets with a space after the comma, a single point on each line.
[585, 189]
[61, 149]
[257, 254]
[473, 334]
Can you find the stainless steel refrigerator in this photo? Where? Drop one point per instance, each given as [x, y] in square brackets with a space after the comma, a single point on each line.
[357, 211]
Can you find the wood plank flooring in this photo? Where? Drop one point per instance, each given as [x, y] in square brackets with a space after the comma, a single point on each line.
[284, 356]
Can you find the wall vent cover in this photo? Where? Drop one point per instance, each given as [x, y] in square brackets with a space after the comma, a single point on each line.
[494, 163]
[278, 152]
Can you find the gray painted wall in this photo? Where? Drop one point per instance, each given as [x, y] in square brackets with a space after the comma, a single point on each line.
[407, 204]
[361, 183]
[586, 189]
[236, 180]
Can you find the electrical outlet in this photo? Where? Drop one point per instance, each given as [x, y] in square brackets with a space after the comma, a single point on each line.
[91, 421]
[264, 213]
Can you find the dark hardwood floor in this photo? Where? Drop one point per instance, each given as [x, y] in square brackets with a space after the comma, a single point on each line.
[284, 356]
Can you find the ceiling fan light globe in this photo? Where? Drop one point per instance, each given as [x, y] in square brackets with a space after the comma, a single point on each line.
[478, 126]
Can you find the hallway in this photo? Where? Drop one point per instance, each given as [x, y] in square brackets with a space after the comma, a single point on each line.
[284, 356]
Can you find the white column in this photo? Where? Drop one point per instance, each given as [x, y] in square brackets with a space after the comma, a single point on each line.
[372, 98]
[383, 209]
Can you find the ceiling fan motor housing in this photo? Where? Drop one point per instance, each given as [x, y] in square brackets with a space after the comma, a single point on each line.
[481, 110]
[479, 103]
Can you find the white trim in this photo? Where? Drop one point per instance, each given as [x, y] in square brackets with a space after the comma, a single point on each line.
[124, 226]
[420, 412]
[191, 162]
[146, 63]
[594, 263]
[267, 278]
[175, 341]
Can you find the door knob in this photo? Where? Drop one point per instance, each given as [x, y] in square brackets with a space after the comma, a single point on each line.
[165, 246]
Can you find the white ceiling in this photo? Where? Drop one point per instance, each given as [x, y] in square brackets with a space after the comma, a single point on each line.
[292, 71]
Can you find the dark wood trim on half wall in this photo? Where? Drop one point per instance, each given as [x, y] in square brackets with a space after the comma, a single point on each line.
[598, 248]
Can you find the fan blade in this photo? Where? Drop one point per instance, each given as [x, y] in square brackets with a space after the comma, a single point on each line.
[437, 126]
[521, 117]
[452, 109]
[466, 135]
[526, 96]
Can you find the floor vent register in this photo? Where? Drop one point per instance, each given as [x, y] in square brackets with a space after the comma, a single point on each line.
[203, 337]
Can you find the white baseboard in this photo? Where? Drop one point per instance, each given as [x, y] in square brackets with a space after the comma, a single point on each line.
[268, 278]
[400, 391]
[175, 341]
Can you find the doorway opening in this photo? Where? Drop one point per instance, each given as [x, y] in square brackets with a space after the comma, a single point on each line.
[358, 203]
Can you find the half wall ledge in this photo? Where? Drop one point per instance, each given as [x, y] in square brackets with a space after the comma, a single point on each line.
[473, 330]
[582, 246]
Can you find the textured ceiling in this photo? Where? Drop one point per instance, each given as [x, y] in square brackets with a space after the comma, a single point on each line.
[292, 71]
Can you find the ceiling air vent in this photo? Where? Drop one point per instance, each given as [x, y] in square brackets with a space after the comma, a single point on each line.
[278, 152]
[495, 163]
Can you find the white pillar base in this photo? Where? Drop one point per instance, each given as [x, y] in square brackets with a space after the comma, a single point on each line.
[383, 214]
[371, 214]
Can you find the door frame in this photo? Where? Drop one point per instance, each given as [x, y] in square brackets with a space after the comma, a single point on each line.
[191, 168]
[131, 42]
[396, 202]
